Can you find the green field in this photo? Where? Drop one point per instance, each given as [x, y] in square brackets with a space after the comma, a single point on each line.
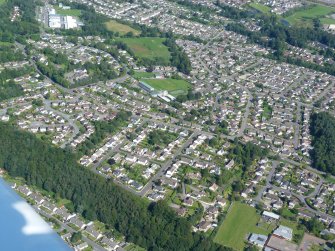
[327, 20]
[70, 12]
[174, 86]
[148, 47]
[240, 221]
[123, 29]
[260, 7]
[2, 1]
[143, 74]
[302, 17]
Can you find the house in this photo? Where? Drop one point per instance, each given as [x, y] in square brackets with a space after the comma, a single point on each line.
[91, 231]
[214, 187]
[81, 246]
[24, 190]
[49, 206]
[188, 201]
[221, 201]
[110, 245]
[230, 164]
[204, 226]
[181, 211]
[332, 227]
[37, 198]
[63, 214]
[77, 222]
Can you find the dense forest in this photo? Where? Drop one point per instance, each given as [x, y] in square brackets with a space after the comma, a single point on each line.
[153, 226]
[322, 128]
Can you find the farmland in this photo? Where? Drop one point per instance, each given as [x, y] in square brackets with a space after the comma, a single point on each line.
[305, 17]
[122, 29]
[148, 48]
[174, 86]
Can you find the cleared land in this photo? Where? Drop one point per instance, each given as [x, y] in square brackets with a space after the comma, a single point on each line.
[148, 47]
[174, 86]
[241, 220]
[306, 16]
[123, 29]
[70, 12]
[261, 7]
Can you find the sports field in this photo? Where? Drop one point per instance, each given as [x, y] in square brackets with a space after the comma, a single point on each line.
[70, 12]
[306, 16]
[148, 47]
[174, 86]
[123, 29]
[240, 221]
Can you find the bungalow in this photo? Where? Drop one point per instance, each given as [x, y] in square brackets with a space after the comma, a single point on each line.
[81, 246]
[91, 231]
[204, 226]
[188, 201]
[77, 222]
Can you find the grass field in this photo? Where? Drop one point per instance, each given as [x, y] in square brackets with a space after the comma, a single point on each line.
[70, 12]
[240, 221]
[306, 16]
[327, 20]
[2, 1]
[148, 47]
[143, 74]
[123, 29]
[260, 7]
[174, 86]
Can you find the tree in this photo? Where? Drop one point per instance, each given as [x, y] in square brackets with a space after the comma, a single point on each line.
[76, 237]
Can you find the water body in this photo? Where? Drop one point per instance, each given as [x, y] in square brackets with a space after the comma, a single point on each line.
[21, 228]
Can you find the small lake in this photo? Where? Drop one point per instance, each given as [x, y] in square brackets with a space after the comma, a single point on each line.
[22, 229]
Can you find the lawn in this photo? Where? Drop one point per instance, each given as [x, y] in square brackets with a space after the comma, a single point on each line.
[123, 29]
[174, 86]
[241, 220]
[306, 16]
[70, 12]
[260, 7]
[148, 47]
[2, 1]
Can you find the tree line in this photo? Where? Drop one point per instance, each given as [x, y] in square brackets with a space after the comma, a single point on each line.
[322, 128]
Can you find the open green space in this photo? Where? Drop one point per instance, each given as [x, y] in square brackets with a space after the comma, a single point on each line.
[143, 74]
[327, 20]
[70, 12]
[2, 1]
[174, 86]
[260, 7]
[306, 16]
[240, 221]
[148, 47]
[123, 29]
